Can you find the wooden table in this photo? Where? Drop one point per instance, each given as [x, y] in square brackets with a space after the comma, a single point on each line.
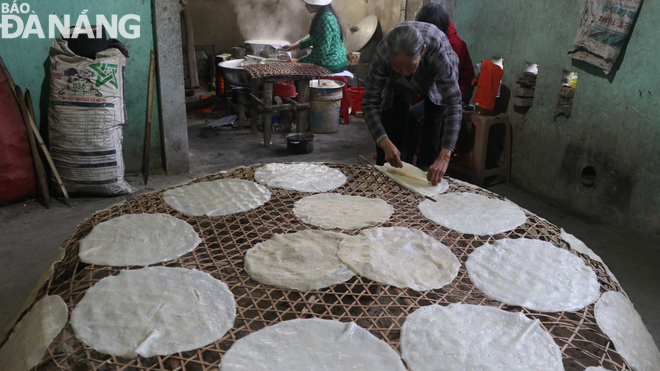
[301, 106]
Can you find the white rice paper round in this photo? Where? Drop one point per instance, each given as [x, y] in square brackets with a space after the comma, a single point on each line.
[154, 311]
[402, 257]
[33, 334]
[217, 198]
[471, 337]
[301, 177]
[470, 213]
[619, 320]
[330, 210]
[577, 244]
[138, 239]
[533, 274]
[304, 260]
[311, 344]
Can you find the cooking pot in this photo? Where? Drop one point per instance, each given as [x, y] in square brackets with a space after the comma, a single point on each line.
[300, 144]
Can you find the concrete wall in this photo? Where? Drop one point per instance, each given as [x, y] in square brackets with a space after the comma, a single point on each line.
[614, 125]
[449, 5]
[220, 23]
[26, 58]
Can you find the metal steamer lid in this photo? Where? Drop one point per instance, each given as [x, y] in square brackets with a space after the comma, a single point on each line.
[273, 43]
[318, 84]
[360, 34]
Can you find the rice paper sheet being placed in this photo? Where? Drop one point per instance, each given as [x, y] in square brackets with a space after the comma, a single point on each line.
[619, 320]
[33, 334]
[154, 311]
[330, 210]
[413, 179]
[470, 337]
[301, 177]
[402, 257]
[304, 260]
[473, 214]
[311, 344]
[138, 239]
[217, 198]
[533, 274]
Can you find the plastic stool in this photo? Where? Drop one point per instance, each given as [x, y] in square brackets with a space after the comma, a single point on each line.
[482, 126]
[343, 109]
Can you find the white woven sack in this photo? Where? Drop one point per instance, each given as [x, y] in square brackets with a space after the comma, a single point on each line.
[86, 117]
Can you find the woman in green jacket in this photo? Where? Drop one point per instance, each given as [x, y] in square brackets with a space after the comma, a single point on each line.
[325, 36]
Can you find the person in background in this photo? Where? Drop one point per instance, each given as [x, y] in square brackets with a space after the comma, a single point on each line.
[326, 36]
[436, 15]
[415, 58]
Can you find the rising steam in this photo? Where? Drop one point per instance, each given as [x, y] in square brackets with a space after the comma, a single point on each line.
[272, 19]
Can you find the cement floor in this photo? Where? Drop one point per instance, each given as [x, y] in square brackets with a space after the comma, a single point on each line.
[31, 234]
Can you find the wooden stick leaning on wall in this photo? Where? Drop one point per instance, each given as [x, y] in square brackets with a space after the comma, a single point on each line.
[35, 131]
[150, 117]
[42, 177]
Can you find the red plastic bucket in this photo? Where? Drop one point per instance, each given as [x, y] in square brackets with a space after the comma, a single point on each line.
[355, 99]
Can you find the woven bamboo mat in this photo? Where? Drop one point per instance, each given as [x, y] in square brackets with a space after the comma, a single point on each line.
[379, 308]
[298, 70]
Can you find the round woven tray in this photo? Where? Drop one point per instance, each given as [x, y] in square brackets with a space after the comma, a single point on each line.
[379, 308]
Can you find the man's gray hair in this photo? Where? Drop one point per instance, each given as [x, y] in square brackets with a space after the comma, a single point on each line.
[406, 40]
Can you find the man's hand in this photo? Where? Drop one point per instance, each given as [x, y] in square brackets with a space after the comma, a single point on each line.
[293, 60]
[439, 167]
[392, 154]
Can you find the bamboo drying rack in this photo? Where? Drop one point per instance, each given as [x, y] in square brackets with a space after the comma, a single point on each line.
[379, 308]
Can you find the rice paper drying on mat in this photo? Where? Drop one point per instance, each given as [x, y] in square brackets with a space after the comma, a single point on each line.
[533, 274]
[576, 244]
[413, 179]
[311, 344]
[217, 198]
[330, 210]
[402, 257]
[471, 213]
[33, 334]
[301, 177]
[471, 337]
[138, 239]
[304, 260]
[619, 320]
[154, 311]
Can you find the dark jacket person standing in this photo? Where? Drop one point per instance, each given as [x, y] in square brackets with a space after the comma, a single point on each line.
[408, 62]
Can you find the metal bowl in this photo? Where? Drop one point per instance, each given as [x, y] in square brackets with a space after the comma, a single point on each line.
[235, 74]
[317, 90]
